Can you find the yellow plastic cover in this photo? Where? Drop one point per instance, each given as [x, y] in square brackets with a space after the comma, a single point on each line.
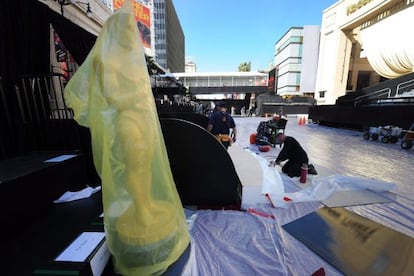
[111, 94]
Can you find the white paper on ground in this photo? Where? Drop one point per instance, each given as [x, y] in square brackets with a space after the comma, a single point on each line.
[71, 196]
[81, 247]
[353, 197]
[322, 188]
[60, 158]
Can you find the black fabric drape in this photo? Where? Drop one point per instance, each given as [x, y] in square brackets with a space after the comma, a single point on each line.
[78, 41]
[24, 39]
[24, 49]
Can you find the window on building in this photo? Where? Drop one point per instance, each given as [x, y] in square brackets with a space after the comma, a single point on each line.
[322, 94]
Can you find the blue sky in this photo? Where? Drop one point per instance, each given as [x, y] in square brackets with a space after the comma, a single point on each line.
[221, 34]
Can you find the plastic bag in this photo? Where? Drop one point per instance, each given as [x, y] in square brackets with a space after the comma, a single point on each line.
[111, 94]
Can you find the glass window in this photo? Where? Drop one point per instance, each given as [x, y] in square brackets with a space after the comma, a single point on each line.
[322, 94]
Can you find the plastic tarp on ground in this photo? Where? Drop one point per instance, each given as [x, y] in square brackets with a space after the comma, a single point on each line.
[253, 242]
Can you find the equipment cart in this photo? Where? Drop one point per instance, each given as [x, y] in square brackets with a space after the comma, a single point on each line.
[388, 133]
[408, 138]
[268, 130]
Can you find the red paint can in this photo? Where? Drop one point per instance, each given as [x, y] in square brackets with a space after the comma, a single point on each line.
[303, 173]
[253, 138]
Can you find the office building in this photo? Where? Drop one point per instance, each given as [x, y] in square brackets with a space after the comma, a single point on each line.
[190, 65]
[169, 36]
[295, 59]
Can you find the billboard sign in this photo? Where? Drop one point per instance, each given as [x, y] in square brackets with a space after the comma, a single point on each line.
[143, 18]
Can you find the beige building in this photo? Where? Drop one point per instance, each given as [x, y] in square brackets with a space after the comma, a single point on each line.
[89, 15]
[362, 43]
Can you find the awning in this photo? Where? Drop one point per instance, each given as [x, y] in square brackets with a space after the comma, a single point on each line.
[389, 44]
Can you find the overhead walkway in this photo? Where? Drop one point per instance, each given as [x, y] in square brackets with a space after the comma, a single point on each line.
[223, 82]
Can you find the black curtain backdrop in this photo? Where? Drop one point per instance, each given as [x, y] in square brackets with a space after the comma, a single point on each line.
[25, 50]
[24, 40]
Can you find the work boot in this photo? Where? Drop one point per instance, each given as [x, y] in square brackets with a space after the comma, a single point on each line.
[312, 170]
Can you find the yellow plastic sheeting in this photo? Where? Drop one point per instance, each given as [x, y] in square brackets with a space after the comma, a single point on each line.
[111, 94]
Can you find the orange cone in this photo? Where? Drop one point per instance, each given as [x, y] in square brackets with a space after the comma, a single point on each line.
[301, 121]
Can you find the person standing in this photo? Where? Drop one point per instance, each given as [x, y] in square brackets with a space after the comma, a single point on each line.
[221, 124]
[294, 153]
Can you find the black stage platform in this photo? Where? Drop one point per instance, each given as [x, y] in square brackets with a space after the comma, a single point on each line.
[362, 117]
[35, 245]
[29, 185]
[34, 229]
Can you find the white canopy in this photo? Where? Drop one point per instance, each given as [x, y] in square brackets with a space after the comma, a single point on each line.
[389, 44]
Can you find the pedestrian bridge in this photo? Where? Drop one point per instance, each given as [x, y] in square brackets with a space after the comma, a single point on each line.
[223, 83]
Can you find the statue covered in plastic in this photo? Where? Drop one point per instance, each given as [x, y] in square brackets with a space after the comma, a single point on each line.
[111, 94]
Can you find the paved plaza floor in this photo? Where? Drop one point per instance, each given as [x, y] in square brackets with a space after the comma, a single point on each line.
[254, 242]
[342, 151]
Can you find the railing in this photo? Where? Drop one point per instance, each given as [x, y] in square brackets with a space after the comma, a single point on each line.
[40, 97]
[393, 101]
[401, 93]
[370, 96]
[222, 79]
[404, 85]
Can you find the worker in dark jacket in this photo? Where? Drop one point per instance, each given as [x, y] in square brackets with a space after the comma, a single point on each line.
[294, 153]
[221, 124]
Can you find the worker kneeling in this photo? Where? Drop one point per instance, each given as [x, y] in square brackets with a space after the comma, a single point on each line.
[221, 124]
[295, 154]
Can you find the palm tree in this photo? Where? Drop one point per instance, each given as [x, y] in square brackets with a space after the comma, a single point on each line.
[245, 67]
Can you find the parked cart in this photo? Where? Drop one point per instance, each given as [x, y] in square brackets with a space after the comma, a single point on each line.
[408, 138]
[387, 133]
[268, 130]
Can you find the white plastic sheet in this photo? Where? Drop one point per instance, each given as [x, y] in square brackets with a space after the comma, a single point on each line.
[322, 188]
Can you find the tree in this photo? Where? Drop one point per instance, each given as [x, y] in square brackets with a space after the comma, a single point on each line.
[245, 67]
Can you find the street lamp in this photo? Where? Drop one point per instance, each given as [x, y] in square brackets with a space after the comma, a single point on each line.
[88, 7]
[63, 3]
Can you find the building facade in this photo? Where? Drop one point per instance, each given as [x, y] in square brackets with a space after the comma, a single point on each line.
[295, 59]
[190, 67]
[89, 15]
[169, 36]
[162, 35]
[363, 43]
